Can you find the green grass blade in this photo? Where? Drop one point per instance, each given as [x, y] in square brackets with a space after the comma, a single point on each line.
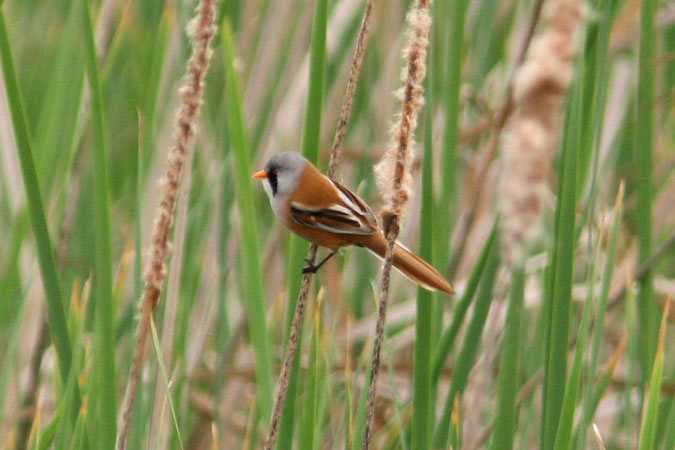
[507, 383]
[563, 438]
[467, 355]
[153, 88]
[55, 310]
[62, 104]
[669, 434]
[311, 134]
[255, 295]
[453, 82]
[443, 348]
[421, 419]
[105, 310]
[307, 437]
[633, 352]
[644, 144]
[165, 378]
[600, 318]
[559, 295]
[648, 427]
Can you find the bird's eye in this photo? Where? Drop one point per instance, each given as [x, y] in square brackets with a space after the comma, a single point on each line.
[275, 171]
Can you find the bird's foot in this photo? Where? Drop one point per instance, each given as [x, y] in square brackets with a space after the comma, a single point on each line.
[312, 268]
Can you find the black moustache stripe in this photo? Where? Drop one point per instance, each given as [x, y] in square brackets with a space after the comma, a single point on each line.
[272, 178]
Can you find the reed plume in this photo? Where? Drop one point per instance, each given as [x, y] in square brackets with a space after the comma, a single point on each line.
[395, 165]
[201, 29]
[532, 133]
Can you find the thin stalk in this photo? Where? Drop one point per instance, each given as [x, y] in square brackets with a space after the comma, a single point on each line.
[165, 379]
[394, 179]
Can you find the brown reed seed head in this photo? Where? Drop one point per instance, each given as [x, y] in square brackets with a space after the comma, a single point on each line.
[399, 154]
[201, 29]
[531, 135]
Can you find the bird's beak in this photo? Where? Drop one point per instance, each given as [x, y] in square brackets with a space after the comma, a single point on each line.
[260, 174]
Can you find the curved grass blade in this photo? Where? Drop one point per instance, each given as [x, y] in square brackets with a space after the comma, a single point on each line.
[255, 293]
[467, 355]
[443, 347]
[55, 310]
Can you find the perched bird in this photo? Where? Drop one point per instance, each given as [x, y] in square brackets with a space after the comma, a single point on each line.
[328, 214]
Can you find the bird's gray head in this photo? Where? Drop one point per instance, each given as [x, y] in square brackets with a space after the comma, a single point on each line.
[283, 173]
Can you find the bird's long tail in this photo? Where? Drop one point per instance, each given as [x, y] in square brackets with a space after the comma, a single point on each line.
[411, 265]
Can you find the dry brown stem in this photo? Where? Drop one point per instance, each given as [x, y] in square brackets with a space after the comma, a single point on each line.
[396, 162]
[202, 29]
[299, 313]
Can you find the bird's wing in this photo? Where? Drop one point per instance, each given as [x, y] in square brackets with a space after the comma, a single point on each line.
[348, 215]
[335, 219]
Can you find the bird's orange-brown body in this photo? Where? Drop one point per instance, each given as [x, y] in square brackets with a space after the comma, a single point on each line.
[328, 214]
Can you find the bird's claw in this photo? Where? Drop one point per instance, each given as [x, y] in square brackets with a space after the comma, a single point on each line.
[311, 268]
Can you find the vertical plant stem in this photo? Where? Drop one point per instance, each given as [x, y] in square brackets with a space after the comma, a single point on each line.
[644, 142]
[203, 30]
[560, 293]
[348, 100]
[599, 324]
[422, 411]
[105, 311]
[453, 80]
